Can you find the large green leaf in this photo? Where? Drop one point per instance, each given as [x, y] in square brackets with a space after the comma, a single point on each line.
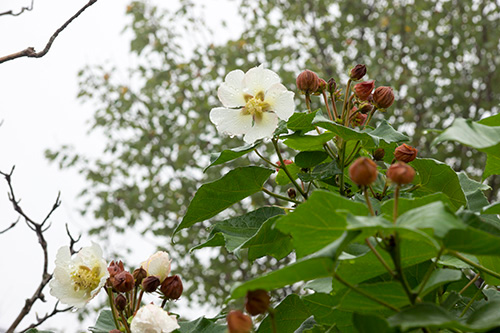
[235, 231]
[473, 241]
[438, 278]
[104, 324]
[309, 159]
[493, 263]
[201, 325]
[289, 315]
[283, 179]
[230, 154]
[318, 221]
[434, 176]
[366, 323]
[301, 121]
[268, 241]
[470, 133]
[473, 191]
[324, 307]
[492, 162]
[406, 204]
[212, 198]
[316, 265]
[434, 216]
[308, 142]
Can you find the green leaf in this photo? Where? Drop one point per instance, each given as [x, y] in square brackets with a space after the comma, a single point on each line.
[212, 198]
[433, 216]
[434, 176]
[301, 121]
[493, 263]
[494, 208]
[470, 133]
[325, 310]
[235, 231]
[289, 315]
[308, 326]
[317, 222]
[473, 191]
[282, 177]
[230, 154]
[391, 292]
[321, 172]
[202, 325]
[308, 142]
[323, 285]
[406, 204]
[104, 324]
[492, 162]
[316, 265]
[268, 241]
[366, 323]
[491, 121]
[473, 241]
[438, 278]
[308, 159]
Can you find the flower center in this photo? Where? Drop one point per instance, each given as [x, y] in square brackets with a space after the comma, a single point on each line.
[85, 278]
[256, 105]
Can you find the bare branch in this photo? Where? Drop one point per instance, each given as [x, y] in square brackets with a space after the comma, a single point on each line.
[30, 51]
[10, 12]
[41, 320]
[11, 226]
[72, 241]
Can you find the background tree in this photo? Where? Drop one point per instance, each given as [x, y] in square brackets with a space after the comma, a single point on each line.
[438, 55]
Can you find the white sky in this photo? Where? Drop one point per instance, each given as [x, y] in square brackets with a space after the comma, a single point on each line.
[39, 110]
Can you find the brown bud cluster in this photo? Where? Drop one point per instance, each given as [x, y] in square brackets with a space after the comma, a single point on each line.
[238, 322]
[120, 302]
[308, 82]
[150, 284]
[123, 282]
[257, 302]
[383, 97]
[358, 72]
[139, 275]
[332, 86]
[378, 154]
[172, 287]
[400, 173]
[359, 119]
[363, 171]
[322, 85]
[364, 89]
[405, 153]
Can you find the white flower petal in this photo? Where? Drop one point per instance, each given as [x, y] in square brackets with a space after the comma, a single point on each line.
[230, 92]
[158, 265]
[259, 79]
[153, 319]
[264, 128]
[231, 121]
[281, 101]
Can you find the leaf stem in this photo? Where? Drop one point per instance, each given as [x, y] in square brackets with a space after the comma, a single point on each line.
[283, 166]
[342, 166]
[112, 305]
[474, 279]
[344, 107]
[327, 106]
[265, 190]
[473, 264]
[273, 319]
[266, 160]
[428, 274]
[362, 292]
[472, 300]
[396, 202]
[369, 117]
[368, 202]
[139, 300]
[379, 257]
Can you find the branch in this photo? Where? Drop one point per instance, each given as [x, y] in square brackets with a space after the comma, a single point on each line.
[10, 227]
[30, 51]
[10, 12]
[47, 316]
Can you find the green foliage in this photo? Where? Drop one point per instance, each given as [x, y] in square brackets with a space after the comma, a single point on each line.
[104, 324]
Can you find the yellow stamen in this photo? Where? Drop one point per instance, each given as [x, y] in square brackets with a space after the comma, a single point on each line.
[256, 106]
[85, 278]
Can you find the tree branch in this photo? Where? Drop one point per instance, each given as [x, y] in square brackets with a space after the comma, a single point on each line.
[30, 51]
[10, 12]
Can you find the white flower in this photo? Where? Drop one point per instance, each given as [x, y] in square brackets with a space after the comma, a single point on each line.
[79, 279]
[153, 319]
[253, 102]
[158, 265]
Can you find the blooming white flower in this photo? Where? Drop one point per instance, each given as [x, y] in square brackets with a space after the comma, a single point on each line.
[79, 279]
[153, 319]
[253, 102]
[158, 265]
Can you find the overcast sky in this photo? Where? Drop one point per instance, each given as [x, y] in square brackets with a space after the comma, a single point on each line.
[39, 110]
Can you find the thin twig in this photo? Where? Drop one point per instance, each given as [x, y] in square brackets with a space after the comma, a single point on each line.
[13, 224]
[23, 9]
[30, 51]
[47, 316]
[470, 283]
[379, 257]
[281, 197]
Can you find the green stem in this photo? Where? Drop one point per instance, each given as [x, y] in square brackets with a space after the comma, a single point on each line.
[474, 279]
[334, 107]
[283, 166]
[379, 257]
[396, 202]
[362, 292]
[472, 300]
[327, 106]
[369, 117]
[342, 166]
[353, 153]
[429, 273]
[309, 110]
[473, 264]
[138, 305]
[124, 321]
[266, 160]
[265, 190]
[112, 305]
[344, 107]
[273, 320]
[396, 259]
[368, 202]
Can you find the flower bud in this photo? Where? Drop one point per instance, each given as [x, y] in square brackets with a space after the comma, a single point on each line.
[291, 193]
[364, 89]
[322, 85]
[332, 86]
[365, 108]
[358, 72]
[238, 322]
[158, 264]
[363, 171]
[120, 302]
[172, 287]
[139, 274]
[378, 154]
[308, 81]
[150, 283]
[359, 119]
[400, 173]
[115, 268]
[383, 97]
[257, 302]
[123, 282]
[287, 162]
[405, 153]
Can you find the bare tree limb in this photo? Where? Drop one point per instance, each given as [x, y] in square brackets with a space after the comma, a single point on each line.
[10, 227]
[41, 320]
[39, 229]
[10, 12]
[30, 51]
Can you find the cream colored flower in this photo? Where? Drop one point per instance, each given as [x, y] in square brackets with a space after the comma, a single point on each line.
[153, 319]
[79, 279]
[253, 103]
[158, 265]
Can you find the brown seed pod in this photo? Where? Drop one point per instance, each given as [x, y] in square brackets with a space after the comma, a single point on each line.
[405, 153]
[383, 97]
[238, 322]
[357, 72]
[364, 89]
[400, 173]
[308, 82]
[257, 302]
[363, 171]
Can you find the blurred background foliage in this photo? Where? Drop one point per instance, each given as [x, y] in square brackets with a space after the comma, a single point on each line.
[441, 57]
